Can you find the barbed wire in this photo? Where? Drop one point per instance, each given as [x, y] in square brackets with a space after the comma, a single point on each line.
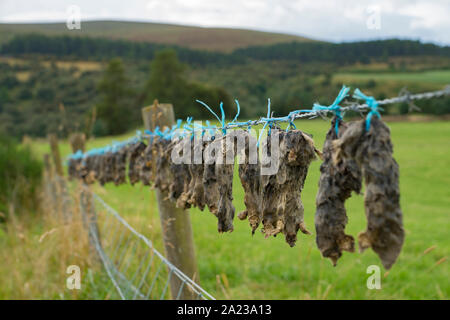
[313, 113]
[371, 105]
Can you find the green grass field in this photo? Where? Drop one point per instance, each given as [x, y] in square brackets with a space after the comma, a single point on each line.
[257, 268]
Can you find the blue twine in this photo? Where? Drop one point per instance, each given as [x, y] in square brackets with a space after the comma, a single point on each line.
[202, 128]
[268, 121]
[238, 111]
[224, 131]
[372, 103]
[334, 107]
[221, 120]
[290, 124]
[210, 110]
[116, 146]
[176, 127]
[188, 128]
[77, 155]
[243, 124]
[162, 134]
[138, 137]
[290, 118]
[211, 128]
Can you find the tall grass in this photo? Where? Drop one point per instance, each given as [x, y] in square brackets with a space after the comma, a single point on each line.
[20, 174]
[36, 251]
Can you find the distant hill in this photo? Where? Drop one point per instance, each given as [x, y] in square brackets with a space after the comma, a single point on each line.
[214, 39]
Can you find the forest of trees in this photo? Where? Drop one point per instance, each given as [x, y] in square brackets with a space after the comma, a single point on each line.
[119, 105]
[87, 48]
[101, 49]
[340, 53]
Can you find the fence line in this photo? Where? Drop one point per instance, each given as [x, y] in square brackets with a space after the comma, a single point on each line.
[371, 105]
[135, 269]
[173, 271]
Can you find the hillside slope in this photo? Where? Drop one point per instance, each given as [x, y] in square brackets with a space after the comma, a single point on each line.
[216, 39]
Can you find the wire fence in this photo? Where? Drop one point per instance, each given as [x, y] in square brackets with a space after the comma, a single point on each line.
[134, 268]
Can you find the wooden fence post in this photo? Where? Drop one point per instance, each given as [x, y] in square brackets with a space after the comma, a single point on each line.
[60, 184]
[50, 191]
[53, 140]
[175, 222]
[77, 141]
[86, 200]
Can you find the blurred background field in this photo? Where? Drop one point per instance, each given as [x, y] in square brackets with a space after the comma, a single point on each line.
[239, 266]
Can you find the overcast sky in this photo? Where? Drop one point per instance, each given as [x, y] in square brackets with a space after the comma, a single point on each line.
[333, 20]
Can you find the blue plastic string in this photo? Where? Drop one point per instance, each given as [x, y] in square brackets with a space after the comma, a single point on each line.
[268, 121]
[238, 111]
[138, 136]
[372, 103]
[200, 128]
[291, 123]
[187, 127]
[209, 109]
[211, 128]
[224, 130]
[334, 107]
[221, 120]
[290, 118]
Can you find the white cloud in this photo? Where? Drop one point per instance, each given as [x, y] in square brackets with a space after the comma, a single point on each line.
[334, 20]
[35, 16]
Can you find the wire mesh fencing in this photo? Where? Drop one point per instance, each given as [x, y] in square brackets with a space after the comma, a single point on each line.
[136, 269]
[132, 268]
